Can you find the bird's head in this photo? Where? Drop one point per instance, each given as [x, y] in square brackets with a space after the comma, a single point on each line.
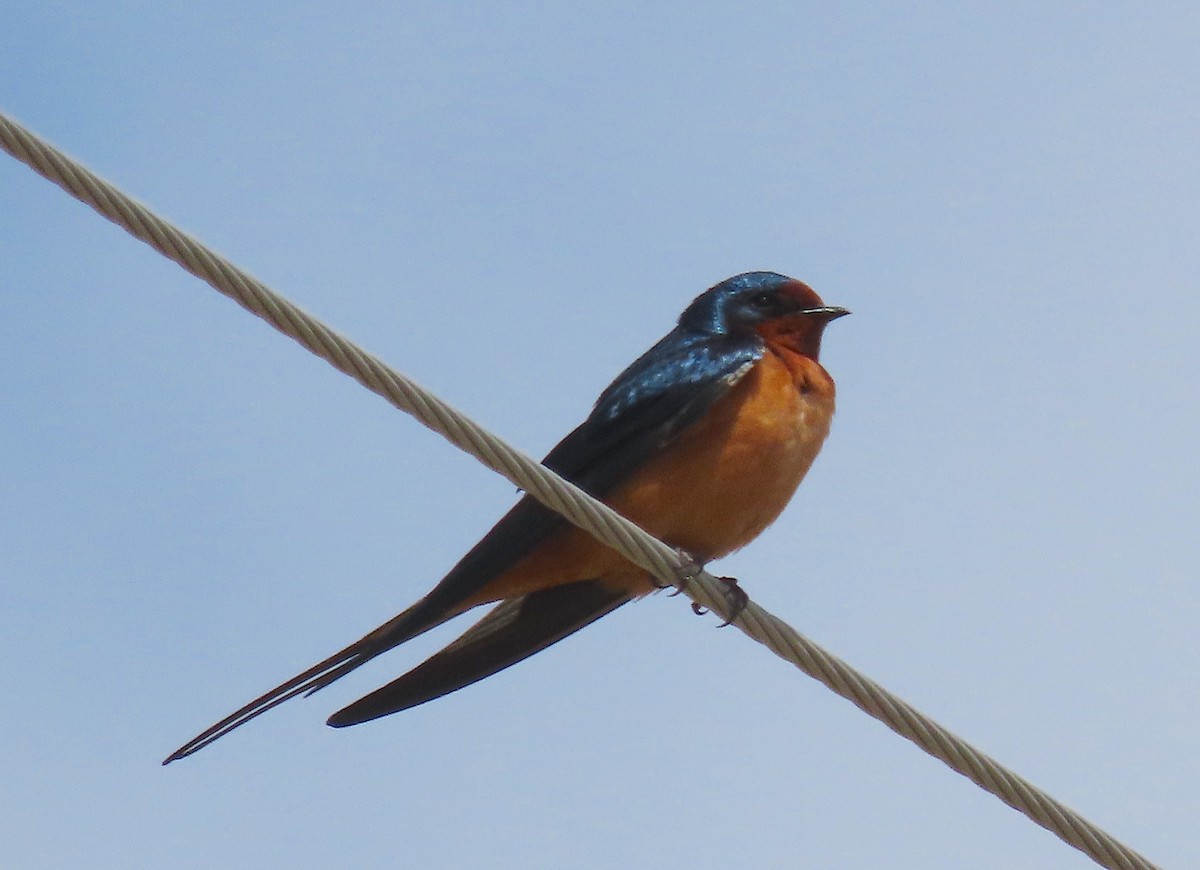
[776, 308]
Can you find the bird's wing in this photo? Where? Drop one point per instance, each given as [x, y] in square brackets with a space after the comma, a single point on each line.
[646, 408]
[670, 387]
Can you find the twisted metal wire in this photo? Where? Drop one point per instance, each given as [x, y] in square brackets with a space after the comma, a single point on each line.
[567, 499]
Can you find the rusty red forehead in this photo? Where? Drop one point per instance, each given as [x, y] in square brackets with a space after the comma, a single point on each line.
[802, 293]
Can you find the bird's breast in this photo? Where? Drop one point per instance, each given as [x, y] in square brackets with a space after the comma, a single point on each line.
[731, 474]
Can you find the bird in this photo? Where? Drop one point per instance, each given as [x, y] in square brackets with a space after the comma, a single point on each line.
[702, 442]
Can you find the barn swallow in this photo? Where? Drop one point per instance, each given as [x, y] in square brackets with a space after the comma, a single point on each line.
[701, 442]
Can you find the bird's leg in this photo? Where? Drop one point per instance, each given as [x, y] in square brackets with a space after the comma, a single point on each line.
[689, 569]
[740, 600]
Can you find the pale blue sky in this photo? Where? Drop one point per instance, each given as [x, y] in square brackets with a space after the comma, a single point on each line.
[509, 202]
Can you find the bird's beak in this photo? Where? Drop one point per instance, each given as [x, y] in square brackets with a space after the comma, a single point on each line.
[826, 312]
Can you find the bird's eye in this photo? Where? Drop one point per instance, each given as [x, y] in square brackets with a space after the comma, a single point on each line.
[762, 301]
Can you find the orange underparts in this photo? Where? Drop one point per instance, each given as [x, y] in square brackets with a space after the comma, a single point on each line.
[711, 491]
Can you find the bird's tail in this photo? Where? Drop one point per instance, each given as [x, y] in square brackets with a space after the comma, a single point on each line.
[407, 625]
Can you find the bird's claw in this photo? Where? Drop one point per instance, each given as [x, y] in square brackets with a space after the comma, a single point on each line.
[740, 600]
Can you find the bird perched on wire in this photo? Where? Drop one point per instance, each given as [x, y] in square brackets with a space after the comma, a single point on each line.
[701, 442]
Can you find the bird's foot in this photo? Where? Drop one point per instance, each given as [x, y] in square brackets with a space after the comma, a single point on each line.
[740, 600]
